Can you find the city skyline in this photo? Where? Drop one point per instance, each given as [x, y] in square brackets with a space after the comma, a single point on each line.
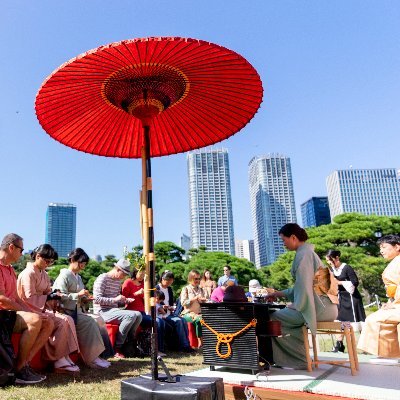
[331, 84]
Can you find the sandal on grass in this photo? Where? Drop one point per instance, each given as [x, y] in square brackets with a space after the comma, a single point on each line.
[66, 369]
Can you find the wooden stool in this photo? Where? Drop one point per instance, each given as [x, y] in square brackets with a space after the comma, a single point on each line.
[332, 328]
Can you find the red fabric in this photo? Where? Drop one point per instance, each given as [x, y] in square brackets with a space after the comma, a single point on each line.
[128, 290]
[208, 92]
[112, 331]
[8, 282]
[193, 340]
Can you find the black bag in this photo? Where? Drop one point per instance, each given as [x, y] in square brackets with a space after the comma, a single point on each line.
[7, 355]
[144, 342]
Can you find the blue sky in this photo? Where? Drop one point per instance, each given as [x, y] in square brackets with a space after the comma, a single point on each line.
[331, 77]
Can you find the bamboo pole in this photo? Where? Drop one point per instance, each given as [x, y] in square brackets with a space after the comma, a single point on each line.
[148, 246]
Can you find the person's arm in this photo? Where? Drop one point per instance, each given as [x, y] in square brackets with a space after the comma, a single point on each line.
[8, 304]
[27, 291]
[61, 283]
[351, 275]
[99, 288]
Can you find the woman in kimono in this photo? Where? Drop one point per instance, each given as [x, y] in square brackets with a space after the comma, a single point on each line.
[34, 288]
[70, 284]
[306, 308]
[381, 333]
[350, 301]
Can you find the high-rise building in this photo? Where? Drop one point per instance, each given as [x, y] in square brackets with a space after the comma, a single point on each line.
[315, 212]
[245, 249]
[185, 244]
[211, 220]
[366, 191]
[272, 204]
[61, 227]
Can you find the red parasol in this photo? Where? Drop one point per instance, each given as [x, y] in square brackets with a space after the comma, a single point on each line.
[147, 98]
[93, 102]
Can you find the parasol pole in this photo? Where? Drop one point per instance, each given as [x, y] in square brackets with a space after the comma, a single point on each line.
[148, 246]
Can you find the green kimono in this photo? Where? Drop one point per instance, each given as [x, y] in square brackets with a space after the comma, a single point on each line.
[90, 341]
[289, 350]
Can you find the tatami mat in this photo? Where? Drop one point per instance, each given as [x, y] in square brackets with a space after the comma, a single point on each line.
[373, 382]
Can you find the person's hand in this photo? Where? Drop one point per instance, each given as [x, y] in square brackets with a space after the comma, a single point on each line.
[83, 293]
[387, 306]
[270, 297]
[120, 299]
[139, 292]
[129, 300]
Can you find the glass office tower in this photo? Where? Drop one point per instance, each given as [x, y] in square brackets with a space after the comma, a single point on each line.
[315, 212]
[61, 227]
[210, 201]
[272, 204]
[366, 191]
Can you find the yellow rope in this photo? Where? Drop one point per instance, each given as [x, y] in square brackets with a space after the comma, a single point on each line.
[227, 337]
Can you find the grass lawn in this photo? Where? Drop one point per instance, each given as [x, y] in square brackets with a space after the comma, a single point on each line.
[98, 384]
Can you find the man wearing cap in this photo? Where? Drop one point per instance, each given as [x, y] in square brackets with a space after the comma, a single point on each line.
[108, 298]
[227, 275]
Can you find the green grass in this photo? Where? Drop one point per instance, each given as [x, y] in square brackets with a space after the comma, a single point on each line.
[98, 384]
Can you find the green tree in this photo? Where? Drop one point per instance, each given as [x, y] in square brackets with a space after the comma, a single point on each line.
[136, 257]
[109, 261]
[21, 263]
[168, 252]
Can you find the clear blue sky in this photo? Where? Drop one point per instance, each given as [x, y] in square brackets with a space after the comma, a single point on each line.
[331, 76]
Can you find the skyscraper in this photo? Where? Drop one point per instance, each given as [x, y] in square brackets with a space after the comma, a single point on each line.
[272, 204]
[315, 212]
[366, 191]
[185, 244]
[61, 227]
[245, 249]
[210, 201]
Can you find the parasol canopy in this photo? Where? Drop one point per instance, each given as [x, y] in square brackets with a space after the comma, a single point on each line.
[191, 94]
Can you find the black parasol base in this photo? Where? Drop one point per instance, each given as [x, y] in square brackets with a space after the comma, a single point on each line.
[185, 388]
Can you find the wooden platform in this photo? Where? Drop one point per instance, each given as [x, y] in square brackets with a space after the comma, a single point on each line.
[331, 382]
[236, 392]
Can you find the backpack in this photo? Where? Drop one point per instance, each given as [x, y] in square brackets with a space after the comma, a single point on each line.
[7, 355]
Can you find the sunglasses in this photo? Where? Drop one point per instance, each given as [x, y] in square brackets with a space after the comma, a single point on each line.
[19, 247]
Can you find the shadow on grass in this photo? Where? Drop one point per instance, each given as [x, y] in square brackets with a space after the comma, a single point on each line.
[178, 363]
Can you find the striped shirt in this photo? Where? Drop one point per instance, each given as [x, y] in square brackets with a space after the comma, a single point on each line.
[105, 289]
